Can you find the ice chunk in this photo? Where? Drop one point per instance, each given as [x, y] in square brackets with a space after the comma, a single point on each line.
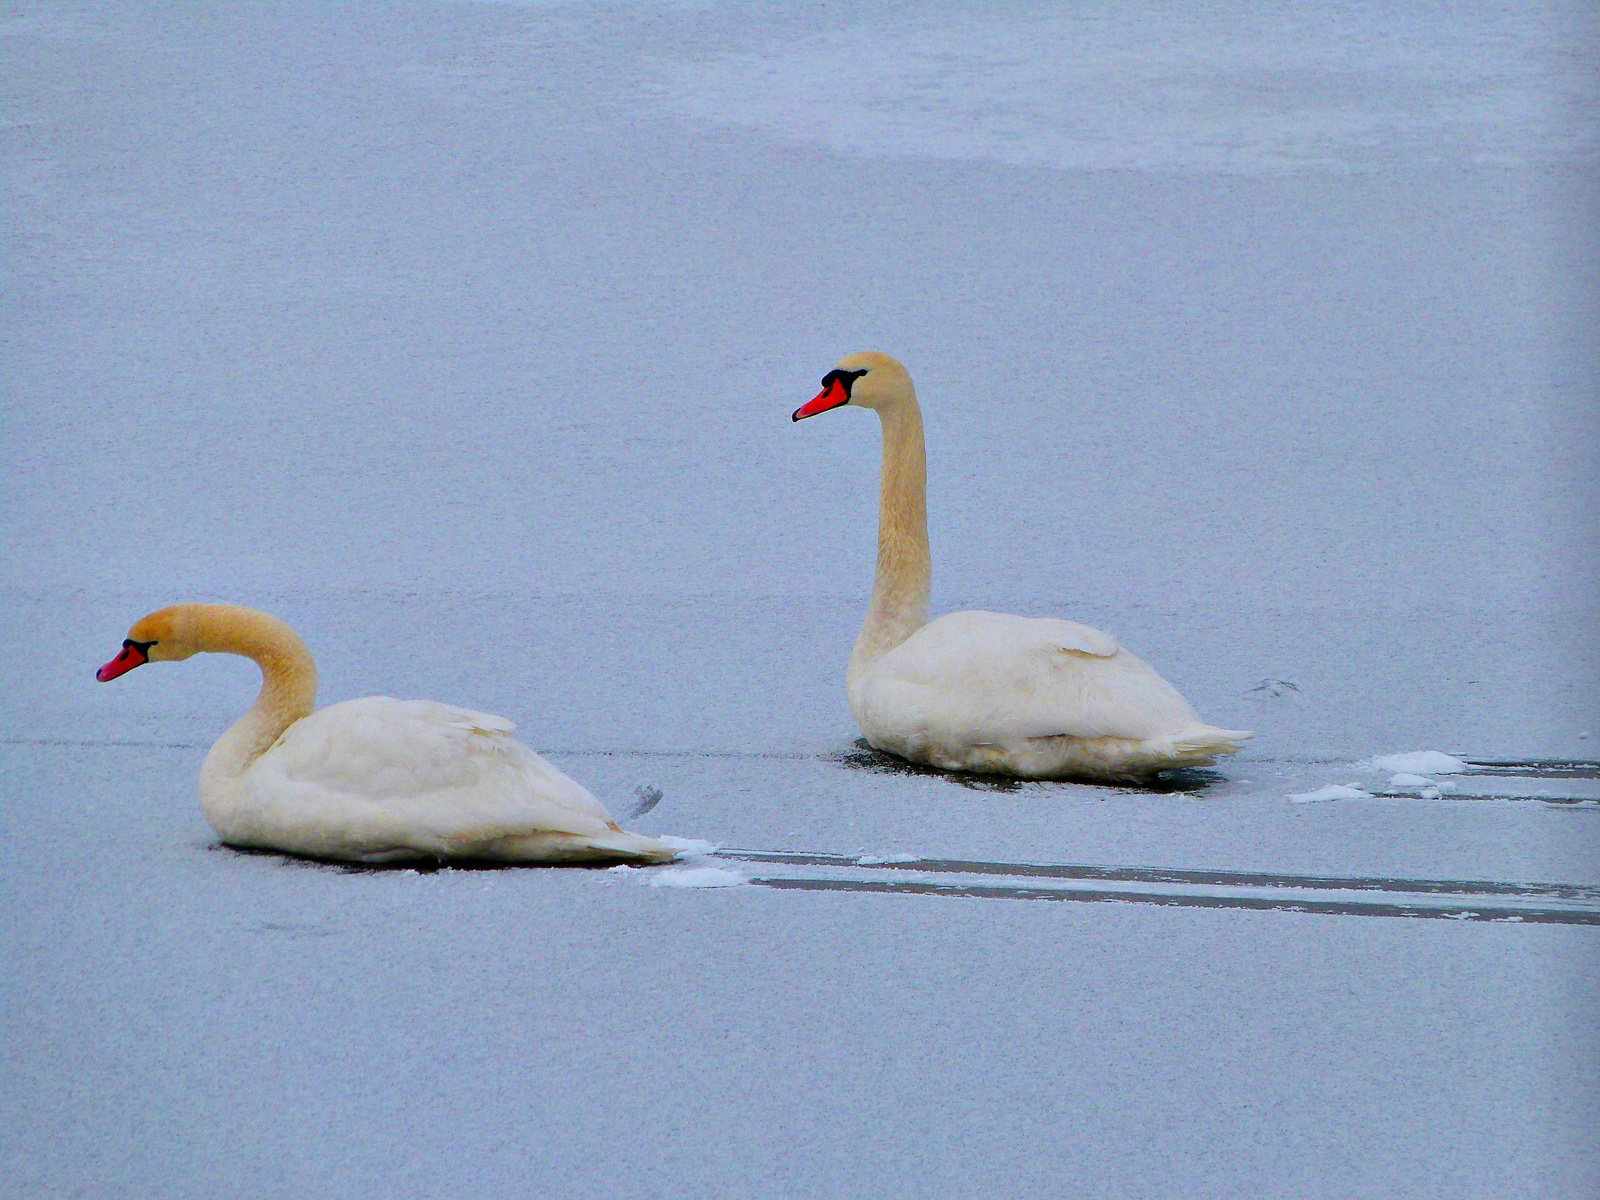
[688, 847]
[1334, 791]
[697, 877]
[1417, 762]
[1431, 788]
[874, 860]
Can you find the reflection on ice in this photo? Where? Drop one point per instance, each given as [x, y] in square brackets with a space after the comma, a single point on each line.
[864, 757]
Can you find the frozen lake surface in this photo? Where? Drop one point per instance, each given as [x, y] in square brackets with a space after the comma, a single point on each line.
[464, 337]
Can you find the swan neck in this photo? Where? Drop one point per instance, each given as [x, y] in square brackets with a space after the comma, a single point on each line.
[901, 587]
[288, 684]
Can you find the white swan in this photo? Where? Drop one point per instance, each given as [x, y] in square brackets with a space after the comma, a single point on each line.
[374, 780]
[983, 691]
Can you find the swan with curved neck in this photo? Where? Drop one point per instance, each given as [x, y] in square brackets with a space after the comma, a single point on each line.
[374, 780]
[981, 691]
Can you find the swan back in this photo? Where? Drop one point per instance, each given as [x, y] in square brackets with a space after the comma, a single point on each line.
[984, 678]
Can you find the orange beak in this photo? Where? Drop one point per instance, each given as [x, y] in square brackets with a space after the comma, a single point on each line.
[130, 658]
[831, 396]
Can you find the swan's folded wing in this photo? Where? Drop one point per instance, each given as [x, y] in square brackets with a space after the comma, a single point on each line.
[424, 765]
[997, 678]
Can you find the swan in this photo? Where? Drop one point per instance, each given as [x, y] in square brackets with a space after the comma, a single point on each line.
[981, 691]
[373, 780]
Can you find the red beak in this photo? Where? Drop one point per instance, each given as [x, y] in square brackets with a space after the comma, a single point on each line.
[831, 396]
[130, 658]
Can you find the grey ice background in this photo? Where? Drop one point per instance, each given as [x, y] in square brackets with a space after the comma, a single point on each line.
[465, 337]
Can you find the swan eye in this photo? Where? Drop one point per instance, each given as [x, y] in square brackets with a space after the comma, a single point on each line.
[845, 379]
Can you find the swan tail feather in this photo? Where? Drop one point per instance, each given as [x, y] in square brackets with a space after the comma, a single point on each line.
[635, 847]
[1206, 741]
[614, 845]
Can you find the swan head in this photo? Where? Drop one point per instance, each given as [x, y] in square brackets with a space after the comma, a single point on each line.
[163, 636]
[866, 379]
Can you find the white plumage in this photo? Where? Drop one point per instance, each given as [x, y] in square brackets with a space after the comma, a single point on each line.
[1029, 696]
[982, 691]
[373, 780]
[376, 780]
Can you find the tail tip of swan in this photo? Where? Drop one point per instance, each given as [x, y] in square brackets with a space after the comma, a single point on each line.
[638, 847]
[1209, 740]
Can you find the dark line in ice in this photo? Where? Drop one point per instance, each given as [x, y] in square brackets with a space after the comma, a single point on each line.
[1541, 768]
[957, 866]
[1467, 797]
[794, 757]
[1545, 768]
[101, 742]
[752, 754]
[1344, 908]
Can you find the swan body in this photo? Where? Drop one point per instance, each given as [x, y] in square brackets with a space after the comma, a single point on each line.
[989, 692]
[374, 780]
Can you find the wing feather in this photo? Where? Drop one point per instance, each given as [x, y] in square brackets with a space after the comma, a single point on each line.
[450, 773]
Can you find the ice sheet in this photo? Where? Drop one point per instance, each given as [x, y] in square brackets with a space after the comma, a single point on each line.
[464, 337]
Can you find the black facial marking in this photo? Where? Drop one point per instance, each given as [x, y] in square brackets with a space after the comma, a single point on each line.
[845, 379]
[142, 647]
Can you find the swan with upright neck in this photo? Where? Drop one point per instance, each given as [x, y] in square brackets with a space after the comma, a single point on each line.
[987, 692]
[373, 780]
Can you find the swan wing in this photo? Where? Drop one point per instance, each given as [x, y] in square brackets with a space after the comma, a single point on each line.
[446, 773]
[996, 678]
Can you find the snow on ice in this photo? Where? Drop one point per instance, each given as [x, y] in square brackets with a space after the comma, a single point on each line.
[1417, 762]
[697, 877]
[1334, 791]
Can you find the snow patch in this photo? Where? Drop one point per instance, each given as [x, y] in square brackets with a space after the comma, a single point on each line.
[873, 860]
[1334, 791]
[698, 877]
[1417, 762]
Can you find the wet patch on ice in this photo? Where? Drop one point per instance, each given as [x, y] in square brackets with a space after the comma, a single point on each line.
[863, 756]
[686, 847]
